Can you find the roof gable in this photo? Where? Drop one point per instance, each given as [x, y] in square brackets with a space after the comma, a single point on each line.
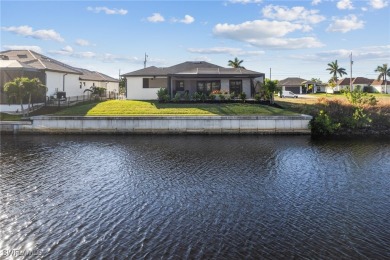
[292, 81]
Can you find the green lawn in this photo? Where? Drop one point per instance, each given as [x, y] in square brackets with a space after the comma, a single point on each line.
[147, 108]
[8, 117]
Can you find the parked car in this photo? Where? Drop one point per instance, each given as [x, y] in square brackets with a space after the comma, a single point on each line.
[288, 94]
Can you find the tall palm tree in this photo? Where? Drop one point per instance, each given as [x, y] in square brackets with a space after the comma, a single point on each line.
[383, 73]
[334, 69]
[15, 89]
[236, 63]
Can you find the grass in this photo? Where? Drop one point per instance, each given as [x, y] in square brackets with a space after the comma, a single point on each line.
[8, 117]
[154, 108]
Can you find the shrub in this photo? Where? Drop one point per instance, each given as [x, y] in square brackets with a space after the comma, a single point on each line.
[322, 125]
[243, 96]
[162, 95]
[186, 96]
[212, 96]
[177, 97]
[221, 97]
[258, 97]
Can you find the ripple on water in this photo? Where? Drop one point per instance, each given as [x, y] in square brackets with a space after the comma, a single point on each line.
[195, 197]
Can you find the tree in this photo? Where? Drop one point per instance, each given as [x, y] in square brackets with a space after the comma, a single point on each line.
[270, 86]
[122, 86]
[34, 87]
[334, 69]
[236, 63]
[15, 89]
[384, 72]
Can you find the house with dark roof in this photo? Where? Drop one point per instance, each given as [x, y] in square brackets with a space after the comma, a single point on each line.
[57, 76]
[190, 77]
[345, 83]
[297, 85]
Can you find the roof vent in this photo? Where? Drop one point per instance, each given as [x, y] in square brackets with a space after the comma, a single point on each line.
[4, 57]
[22, 56]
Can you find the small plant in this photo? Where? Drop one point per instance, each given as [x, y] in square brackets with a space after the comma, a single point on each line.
[162, 95]
[212, 96]
[257, 97]
[177, 97]
[221, 97]
[186, 96]
[232, 95]
[203, 97]
[243, 96]
[322, 125]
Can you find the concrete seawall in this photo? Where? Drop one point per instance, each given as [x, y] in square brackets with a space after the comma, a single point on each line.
[160, 125]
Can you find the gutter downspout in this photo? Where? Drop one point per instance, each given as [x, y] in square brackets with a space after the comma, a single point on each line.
[63, 82]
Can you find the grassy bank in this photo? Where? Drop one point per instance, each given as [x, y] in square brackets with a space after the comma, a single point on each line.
[8, 117]
[341, 115]
[153, 108]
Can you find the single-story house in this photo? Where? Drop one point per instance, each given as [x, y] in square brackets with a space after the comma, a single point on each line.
[55, 75]
[297, 85]
[379, 86]
[90, 79]
[358, 81]
[191, 77]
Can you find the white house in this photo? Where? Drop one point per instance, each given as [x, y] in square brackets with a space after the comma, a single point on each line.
[190, 77]
[380, 86]
[58, 77]
[356, 82]
[90, 79]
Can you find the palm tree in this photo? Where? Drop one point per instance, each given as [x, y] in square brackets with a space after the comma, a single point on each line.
[236, 63]
[383, 73]
[334, 69]
[34, 87]
[15, 89]
[270, 87]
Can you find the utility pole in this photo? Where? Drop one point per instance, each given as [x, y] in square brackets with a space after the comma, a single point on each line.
[269, 73]
[146, 56]
[350, 79]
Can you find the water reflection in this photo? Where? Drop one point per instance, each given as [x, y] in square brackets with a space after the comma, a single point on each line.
[195, 197]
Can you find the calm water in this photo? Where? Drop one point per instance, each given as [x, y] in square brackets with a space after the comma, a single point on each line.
[194, 197]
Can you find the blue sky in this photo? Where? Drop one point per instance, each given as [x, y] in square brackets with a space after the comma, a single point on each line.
[294, 38]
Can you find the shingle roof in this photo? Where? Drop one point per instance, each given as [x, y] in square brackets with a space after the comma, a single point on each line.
[191, 68]
[291, 82]
[14, 64]
[379, 83]
[355, 81]
[38, 61]
[94, 76]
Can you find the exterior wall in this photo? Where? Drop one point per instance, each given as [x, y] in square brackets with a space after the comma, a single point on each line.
[112, 87]
[381, 88]
[136, 91]
[163, 125]
[54, 82]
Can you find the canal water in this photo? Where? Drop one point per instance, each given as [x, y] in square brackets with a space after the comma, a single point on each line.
[197, 197]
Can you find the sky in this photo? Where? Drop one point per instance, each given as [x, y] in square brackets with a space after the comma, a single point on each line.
[279, 38]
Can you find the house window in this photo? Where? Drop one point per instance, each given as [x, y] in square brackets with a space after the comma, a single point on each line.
[145, 83]
[81, 85]
[208, 86]
[235, 86]
[180, 85]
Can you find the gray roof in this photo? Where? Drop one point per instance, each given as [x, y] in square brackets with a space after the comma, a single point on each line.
[95, 76]
[192, 68]
[291, 82]
[15, 65]
[38, 61]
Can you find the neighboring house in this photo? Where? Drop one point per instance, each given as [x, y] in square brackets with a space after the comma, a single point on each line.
[55, 75]
[297, 85]
[379, 86]
[358, 81]
[90, 79]
[191, 77]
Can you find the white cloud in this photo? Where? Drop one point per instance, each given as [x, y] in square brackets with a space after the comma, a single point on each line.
[202, 58]
[245, 1]
[296, 13]
[86, 54]
[23, 47]
[378, 4]
[68, 51]
[225, 50]
[187, 19]
[82, 42]
[346, 24]
[156, 18]
[28, 31]
[364, 9]
[107, 10]
[315, 2]
[359, 54]
[264, 33]
[345, 4]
